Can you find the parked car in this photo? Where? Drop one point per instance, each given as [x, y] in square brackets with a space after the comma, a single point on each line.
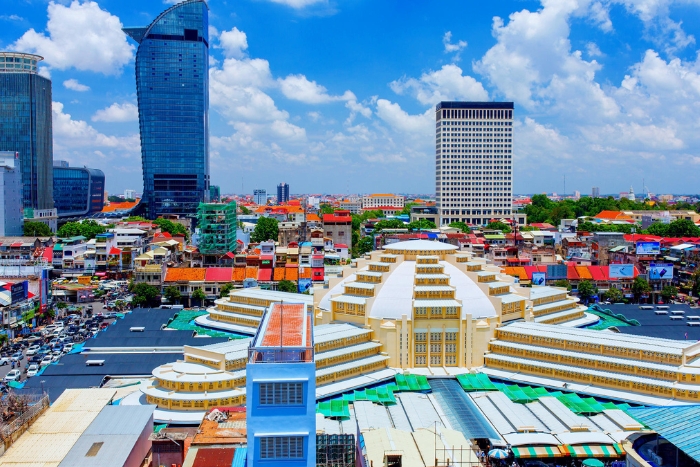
[33, 350]
[32, 370]
[4, 361]
[48, 359]
[17, 357]
[56, 357]
[13, 375]
[68, 347]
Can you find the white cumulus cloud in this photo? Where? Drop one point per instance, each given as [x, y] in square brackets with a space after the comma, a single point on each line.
[299, 88]
[234, 43]
[80, 36]
[447, 83]
[75, 85]
[126, 112]
[455, 48]
[298, 4]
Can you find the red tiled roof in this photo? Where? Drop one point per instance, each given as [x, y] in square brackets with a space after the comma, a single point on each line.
[265, 275]
[214, 457]
[333, 219]
[571, 273]
[597, 273]
[341, 245]
[529, 270]
[16, 245]
[218, 275]
[285, 326]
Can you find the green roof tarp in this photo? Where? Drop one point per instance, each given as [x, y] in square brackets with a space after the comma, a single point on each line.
[336, 408]
[476, 382]
[412, 382]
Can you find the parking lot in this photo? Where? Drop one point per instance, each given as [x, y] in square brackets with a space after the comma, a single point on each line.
[97, 309]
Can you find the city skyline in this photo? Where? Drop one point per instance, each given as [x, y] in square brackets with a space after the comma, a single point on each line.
[600, 90]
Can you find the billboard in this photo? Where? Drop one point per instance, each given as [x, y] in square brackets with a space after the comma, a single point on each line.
[19, 291]
[556, 271]
[621, 271]
[304, 285]
[648, 248]
[660, 271]
[539, 278]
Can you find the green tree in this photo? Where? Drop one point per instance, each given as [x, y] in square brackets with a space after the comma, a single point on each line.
[36, 229]
[225, 290]
[669, 292]
[173, 228]
[325, 209]
[502, 226]
[265, 229]
[287, 286]
[135, 219]
[683, 228]
[640, 287]
[389, 224]
[421, 224]
[563, 283]
[199, 296]
[461, 226]
[87, 228]
[657, 228]
[172, 294]
[407, 208]
[365, 245]
[695, 286]
[586, 290]
[591, 227]
[613, 295]
[244, 210]
[144, 294]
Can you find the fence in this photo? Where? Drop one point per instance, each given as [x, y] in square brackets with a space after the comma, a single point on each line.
[10, 432]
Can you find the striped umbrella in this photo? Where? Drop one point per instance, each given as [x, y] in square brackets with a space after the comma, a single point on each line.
[498, 454]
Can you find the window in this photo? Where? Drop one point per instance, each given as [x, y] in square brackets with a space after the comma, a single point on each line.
[281, 393]
[282, 447]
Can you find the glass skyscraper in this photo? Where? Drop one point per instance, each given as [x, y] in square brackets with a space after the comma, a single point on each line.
[25, 125]
[77, 191]
[172, 86]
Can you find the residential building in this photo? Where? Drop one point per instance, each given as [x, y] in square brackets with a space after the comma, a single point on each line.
[260, 197]
[128, 194]
[382, 201]
[45, 216]
[281, 389]
[474, 157]
[77, 191]
[282, 193]
[25, 125]
[217, 229]
[338, 227]
[172, 87]
[354, 205]
[11, 201]
[595, 192]
[66, 250]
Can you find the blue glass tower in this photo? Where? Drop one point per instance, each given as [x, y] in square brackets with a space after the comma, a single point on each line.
[172, 86]
[25, 125]
[77, 191]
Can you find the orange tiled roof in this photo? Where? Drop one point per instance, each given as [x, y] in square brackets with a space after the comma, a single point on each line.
[278, 274]
[285, 326]
[583, 272]
[291, 274]
[313, 218]
[185, 274]
[251, 272]
[238, 274]
[613, 215]
[120, 206]
[520, 272]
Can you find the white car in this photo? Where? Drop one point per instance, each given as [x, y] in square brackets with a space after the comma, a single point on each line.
[48, 359]
[56, 357]
[67, 347]
[13, 375]
[32, 350]
[32, 370]
[4, 361]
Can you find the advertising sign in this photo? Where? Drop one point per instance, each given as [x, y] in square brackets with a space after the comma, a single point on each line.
[304, 285]
[621, 271]
[84, 280]
[556, 271]
[648, 248]
[19, 291]
[538, 278]
[660, 271]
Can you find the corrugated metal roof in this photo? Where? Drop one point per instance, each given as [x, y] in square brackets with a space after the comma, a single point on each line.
[679, 425]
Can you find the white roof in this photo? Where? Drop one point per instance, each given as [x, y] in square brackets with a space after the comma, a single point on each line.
[418, 245]
[584, 437]
[436, 303]
[531, 439]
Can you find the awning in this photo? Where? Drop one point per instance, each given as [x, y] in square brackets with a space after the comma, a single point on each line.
[595, 450]
[532, 452]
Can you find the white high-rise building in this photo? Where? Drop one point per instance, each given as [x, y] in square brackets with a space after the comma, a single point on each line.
[474, 161]
[260, 197]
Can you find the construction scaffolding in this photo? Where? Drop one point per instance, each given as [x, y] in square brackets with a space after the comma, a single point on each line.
[335, 450]
[217, 228]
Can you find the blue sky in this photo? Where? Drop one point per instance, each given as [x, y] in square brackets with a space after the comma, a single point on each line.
[338, 96]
